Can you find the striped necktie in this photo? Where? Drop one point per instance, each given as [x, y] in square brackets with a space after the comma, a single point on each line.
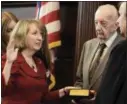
[96, 60]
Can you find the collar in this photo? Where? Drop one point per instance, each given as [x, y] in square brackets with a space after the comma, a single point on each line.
[110, 40]
[28, 70]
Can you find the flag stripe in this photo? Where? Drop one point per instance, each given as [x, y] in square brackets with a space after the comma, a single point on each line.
[54, 37]
[54, 44]
[49, 7]
[53, 27]
[53, 16]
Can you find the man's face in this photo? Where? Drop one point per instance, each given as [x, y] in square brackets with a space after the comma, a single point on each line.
[122, 22]
[104, 25]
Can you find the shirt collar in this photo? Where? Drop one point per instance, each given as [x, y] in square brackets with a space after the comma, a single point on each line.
[110, 40]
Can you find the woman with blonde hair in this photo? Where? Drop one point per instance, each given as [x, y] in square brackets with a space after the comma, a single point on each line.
[23, 74]
[9, 20]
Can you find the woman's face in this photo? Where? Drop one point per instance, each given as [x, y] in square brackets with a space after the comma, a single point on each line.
[34, 38]
[10, 27]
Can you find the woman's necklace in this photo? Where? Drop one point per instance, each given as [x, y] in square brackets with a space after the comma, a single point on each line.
[31, 63]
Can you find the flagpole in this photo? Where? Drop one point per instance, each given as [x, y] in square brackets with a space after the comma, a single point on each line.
[39, 7]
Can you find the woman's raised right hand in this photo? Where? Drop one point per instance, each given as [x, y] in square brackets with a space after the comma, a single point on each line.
[11, 51]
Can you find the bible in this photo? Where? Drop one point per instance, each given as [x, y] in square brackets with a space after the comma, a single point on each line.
[78, 94]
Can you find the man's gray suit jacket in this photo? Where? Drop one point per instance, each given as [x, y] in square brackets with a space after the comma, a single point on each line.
[87, 55]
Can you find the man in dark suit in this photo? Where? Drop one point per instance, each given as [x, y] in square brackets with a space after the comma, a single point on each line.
[113, 89]
[92, 63]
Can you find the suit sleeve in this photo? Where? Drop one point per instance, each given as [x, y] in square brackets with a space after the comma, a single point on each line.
[51, 95]
[12, 80]
[79, 74]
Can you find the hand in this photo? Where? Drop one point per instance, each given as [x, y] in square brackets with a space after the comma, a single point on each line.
[93, 95]
[64, 91]
[68, 88]
[93, 92]
[12, 51]
[90, 99]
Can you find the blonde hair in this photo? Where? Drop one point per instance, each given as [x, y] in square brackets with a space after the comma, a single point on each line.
[7, 17]
[21, 30]
[120, 3]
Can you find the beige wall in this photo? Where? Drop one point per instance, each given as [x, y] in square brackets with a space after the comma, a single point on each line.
[22, 12]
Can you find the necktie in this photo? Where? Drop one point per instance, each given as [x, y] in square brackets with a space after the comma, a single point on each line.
[96, 61]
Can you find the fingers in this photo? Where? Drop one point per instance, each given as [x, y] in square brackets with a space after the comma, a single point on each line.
[93, 91]
[67, 89]
[11, 44]
[72, 87]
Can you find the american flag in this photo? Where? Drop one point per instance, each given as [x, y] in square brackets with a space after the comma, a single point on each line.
[48, 13]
